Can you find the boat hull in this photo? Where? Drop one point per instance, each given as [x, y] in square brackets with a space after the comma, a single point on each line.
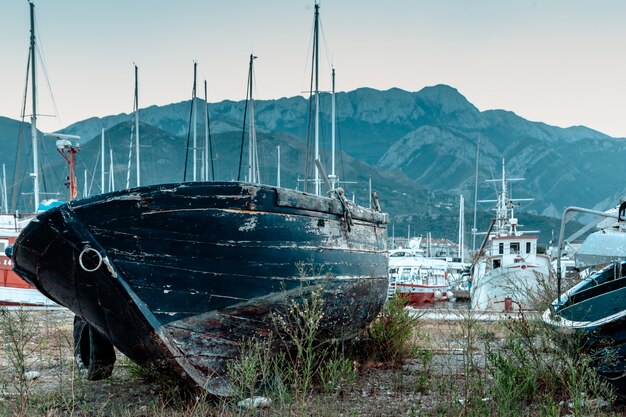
[593, 311]
[24, 297]
[418, 279]
[189, 271]
[601, 248]
[421, 295]
[14, 291]
[507, 288]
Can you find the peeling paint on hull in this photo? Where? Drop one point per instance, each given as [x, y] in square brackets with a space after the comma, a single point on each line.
[192, 269]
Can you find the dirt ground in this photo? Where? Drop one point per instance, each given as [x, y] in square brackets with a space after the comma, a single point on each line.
[436, 382]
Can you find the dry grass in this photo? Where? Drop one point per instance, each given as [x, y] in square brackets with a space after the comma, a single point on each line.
[450, 372]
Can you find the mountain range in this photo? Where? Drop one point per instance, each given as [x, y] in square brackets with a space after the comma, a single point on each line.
[418, 147]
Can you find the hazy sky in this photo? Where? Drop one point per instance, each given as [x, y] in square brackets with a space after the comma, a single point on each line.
[562, 62]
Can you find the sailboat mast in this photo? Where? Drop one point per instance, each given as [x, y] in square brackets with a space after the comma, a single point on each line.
[193, 109]
[5, 202]
[86, 190]
[460, 252]
[205, 161]
[102, 162]
[33, 117]
[249, 94]
[111, 173]
[137, 125]
[474, 230]
[278, 167]
[317, 101]
[253, 157]
[333, 177]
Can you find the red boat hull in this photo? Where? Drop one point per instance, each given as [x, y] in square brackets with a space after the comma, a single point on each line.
[421, 295]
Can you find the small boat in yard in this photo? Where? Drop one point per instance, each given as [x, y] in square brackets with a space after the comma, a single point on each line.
[594, 310]
[178, 276]
[14, 291]
[420, 280]
[509, 273]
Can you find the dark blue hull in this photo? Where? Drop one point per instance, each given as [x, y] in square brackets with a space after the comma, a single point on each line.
[595, 312]
[190, 270]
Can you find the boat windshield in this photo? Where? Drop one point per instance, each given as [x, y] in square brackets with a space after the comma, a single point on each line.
[405, 274]
[613, 271]
[609, 279]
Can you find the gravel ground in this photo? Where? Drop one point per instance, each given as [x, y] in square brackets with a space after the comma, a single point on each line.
[439, 381]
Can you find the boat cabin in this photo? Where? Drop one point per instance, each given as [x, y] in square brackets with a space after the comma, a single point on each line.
[510, 250]
[419, 275]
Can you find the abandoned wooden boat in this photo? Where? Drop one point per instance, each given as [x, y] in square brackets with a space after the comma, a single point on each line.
[176, 276]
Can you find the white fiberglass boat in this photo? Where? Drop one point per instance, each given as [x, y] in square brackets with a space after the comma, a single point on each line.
[509, 274]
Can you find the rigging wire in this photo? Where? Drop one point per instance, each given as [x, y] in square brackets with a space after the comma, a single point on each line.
[42, 60]
[243, 130]
[314, 41]
[56, 184]
[338, 137]
[308, 132]
[493, 181]
[93, 174]
[325, 44]
[255, 147]
[15, 188]
[309, 50]
[189, 133]
[130, 144]
[208, 123]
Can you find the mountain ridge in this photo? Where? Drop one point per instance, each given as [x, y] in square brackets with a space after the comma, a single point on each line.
[430, 137]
